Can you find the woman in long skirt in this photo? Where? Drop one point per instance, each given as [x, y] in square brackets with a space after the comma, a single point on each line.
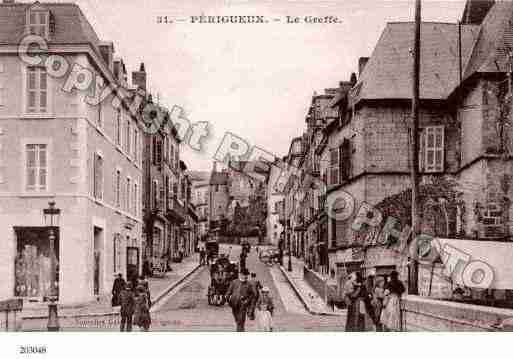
[391, 314]
[264, 311]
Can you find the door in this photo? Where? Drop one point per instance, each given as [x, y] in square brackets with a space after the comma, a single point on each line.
[98, 260]
[132, 263]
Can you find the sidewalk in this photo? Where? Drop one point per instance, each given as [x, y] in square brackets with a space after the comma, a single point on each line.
[159, 287]
[313, 303]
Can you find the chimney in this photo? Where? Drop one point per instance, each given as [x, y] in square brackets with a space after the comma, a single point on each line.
[139, 77]
[107, 52]
[362, 61]
[214, 167]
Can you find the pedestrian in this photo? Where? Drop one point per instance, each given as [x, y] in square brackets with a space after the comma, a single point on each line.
[127, 307]
[144, 282]
[240, 295]
[355, 320]
[257, 286]
[377, 301]
[242, 260]
[142, 316]
[391, 313]
[265, 311]
[117, 287]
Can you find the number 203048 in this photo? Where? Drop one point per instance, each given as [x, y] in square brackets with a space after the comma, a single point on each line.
[31, 349]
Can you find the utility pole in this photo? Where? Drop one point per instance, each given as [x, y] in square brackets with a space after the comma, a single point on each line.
[415, 215]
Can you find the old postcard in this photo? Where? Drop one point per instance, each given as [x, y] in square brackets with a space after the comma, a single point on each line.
[231, 166]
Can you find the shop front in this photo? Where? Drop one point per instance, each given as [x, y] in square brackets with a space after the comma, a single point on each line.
[32, 263]
[381, 261]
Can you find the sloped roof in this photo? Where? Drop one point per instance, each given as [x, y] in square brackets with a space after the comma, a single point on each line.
[219, 178]
[71, 26]
[494, 41]
[388, 74]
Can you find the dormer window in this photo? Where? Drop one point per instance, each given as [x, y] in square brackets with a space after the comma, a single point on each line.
[38, 21]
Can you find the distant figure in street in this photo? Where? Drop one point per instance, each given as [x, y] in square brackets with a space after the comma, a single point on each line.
[117, 287]
[265, 311]
[391, 314]
[142, 309]
[377, 301]
[127, 307]
[240, 295]
[257, 286]
[144, 282]
[355, 320]
[242, 260]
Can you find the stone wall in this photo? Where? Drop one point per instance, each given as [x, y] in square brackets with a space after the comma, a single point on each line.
[424, 314]
[319, 284]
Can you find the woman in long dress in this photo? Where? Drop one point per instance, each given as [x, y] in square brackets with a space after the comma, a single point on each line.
[391, 314]
[142, 309]
[264, 311]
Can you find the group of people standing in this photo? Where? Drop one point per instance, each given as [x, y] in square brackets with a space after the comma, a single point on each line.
[375, 304]
[134, 300]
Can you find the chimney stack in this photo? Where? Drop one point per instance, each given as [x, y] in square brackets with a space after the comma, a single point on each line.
[362, 61]
[139, 77]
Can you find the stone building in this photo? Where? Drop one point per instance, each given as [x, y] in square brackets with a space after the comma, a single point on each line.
[58, 144]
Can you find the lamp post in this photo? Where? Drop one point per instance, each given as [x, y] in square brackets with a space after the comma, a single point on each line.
[51, 219]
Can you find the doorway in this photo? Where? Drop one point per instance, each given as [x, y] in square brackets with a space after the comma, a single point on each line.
[98, 260]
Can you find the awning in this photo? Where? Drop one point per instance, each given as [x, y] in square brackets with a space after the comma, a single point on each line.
[476, 264]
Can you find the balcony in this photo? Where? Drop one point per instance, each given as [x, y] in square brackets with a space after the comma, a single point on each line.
[175, 211]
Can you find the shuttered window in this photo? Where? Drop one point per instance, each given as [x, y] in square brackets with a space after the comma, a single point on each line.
[432, 140]
[36, 167]
[334, 166]
[37, 90]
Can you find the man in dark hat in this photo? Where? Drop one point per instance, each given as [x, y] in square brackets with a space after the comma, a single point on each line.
[127, 307]
[240, 295]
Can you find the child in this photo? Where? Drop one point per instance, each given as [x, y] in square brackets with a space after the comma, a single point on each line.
[264, 311]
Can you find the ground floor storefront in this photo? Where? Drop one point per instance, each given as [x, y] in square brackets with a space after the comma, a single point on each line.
[92, 244]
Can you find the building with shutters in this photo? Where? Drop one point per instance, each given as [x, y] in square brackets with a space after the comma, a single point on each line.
[62, 146]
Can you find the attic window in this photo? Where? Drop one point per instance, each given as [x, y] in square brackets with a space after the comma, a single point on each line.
[39, 22]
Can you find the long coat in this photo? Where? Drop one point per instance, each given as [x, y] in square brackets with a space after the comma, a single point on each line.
[117, 287]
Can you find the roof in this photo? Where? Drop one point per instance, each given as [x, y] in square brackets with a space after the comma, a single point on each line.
[71, 26]
[219, 178]
[495, 38]
[198, 175]
[387, 75]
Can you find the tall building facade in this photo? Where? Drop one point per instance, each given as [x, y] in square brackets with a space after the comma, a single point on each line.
[57, 144]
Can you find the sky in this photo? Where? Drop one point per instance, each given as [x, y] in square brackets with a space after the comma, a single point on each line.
[254, 80]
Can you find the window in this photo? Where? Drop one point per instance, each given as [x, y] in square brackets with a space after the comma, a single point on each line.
[136, 199]
[38, 23]
[157, 152]
[36, 167]
[117, 253]
[431, 158]
[334, 166]
[118, 128]
[37, 94]
[345, 160]
[98, 176]
[118, 188]
[128, 138]
[171, 155]
[155, 194]
[136, 144]
[128, 195]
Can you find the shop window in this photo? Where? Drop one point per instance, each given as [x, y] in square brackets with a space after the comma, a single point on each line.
[33, 263]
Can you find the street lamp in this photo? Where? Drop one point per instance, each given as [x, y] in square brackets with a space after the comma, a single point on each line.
[51, 219]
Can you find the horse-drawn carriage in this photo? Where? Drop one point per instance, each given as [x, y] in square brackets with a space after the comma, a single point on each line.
[222, 272]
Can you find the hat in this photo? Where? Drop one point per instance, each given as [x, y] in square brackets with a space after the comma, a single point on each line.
[244, 272]
[265, 289]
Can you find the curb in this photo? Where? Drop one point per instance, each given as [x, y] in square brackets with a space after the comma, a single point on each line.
[173, 286]
[302, 298]
[159, 297]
